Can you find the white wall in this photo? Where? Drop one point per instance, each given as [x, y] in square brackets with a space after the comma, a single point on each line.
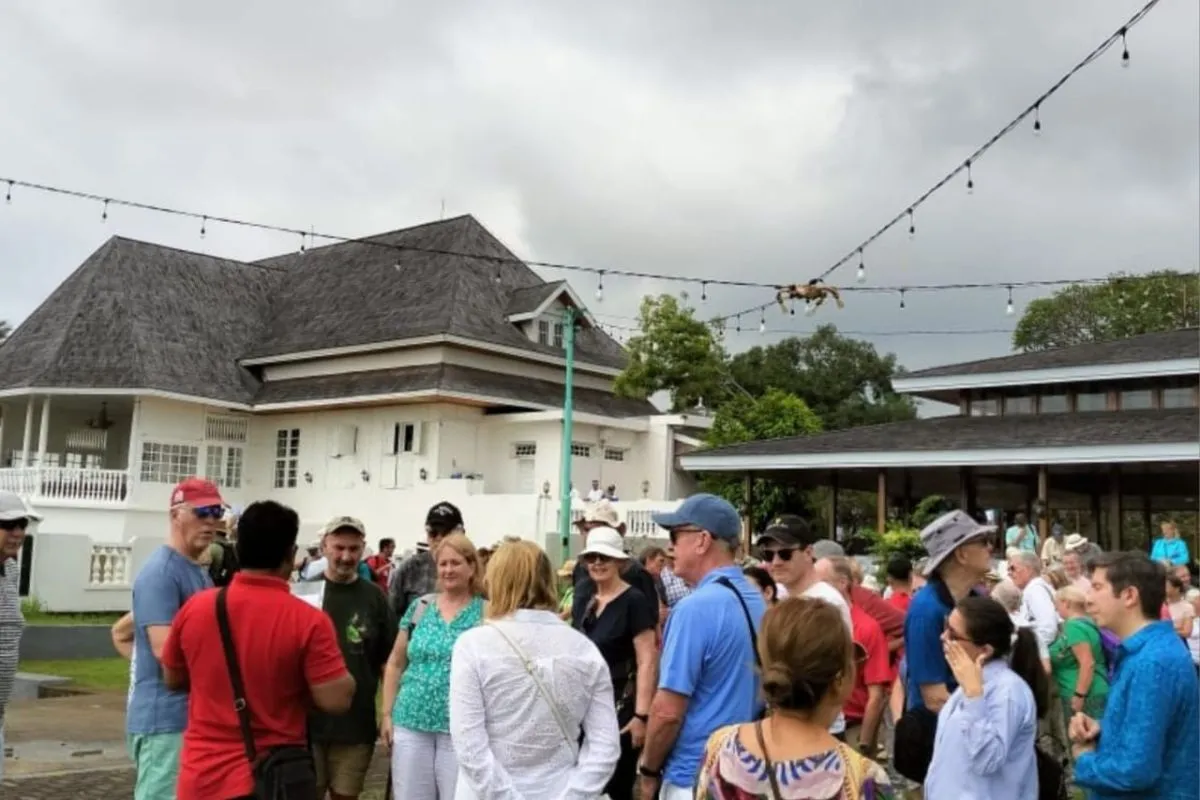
[61, 572]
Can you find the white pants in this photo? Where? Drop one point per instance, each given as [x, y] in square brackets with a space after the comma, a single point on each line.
[423, 765]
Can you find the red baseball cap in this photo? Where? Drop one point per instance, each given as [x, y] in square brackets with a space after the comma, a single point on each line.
[197, 493]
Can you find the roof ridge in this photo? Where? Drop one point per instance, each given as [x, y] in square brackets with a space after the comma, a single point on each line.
[196, 253]
[369, 238]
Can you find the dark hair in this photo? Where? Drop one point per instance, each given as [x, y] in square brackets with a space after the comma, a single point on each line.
[762, 578]
[386, 543]
[267, 535]
[1125, 570]
[651, 553]
[988, 623]
[1175, 581]
[806, 650]
[899, 568]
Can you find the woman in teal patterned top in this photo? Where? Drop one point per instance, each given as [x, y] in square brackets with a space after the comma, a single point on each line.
[416, 681]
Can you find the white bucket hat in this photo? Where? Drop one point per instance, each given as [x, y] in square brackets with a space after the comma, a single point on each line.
[605, 542]
[1075, 542]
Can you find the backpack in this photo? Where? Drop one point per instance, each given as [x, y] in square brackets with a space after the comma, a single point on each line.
[423, 603]
[224, 563]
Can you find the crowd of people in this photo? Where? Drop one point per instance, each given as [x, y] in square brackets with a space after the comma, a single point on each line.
[695, 670]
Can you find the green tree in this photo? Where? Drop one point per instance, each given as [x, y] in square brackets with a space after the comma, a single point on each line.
[741, 419]
[845, 381]
[1123, 306]
[675, 353]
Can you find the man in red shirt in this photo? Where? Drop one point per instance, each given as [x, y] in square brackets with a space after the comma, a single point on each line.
[899, 578]
[286, 649]
[381, 563]
[872, 680]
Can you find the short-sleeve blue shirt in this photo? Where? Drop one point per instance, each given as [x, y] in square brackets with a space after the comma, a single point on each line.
[161, 587]
[923, 627]
[708, 657]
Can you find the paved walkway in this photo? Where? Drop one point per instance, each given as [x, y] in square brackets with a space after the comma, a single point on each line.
[74, 747]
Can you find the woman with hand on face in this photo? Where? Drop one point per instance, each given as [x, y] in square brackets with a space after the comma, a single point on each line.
[622, 623]
[986, 731]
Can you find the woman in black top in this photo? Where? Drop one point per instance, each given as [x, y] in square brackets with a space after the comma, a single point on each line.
[621, 622]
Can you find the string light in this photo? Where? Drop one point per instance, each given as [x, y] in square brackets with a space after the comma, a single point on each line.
[792, 307]
[303, 248]
[970, 180]
[912, 225]
[762, 323]
[902, 298]
[704, 291]
[1009, 310]
[861, 276]
[8, 195]
[600, 287]
[1037, 120]
[738, 324]
[1124, 49]
[203, 227]
[104, 212]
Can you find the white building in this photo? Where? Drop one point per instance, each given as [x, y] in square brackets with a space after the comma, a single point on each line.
[360, 378]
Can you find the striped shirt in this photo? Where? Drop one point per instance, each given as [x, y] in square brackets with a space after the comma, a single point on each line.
[12, 625]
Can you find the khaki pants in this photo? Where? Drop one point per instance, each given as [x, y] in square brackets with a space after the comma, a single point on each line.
[342, 768]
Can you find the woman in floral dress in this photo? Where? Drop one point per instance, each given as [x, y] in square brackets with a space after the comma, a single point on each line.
[807, 672]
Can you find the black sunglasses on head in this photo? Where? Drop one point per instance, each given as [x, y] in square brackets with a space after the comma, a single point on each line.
[14, 524]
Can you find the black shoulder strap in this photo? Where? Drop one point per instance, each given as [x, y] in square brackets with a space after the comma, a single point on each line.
[235, 675]
[728, 584]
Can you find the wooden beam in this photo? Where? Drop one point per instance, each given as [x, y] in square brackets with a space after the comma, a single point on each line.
[966, 490]
[1043, 498]
[881, 501]
[748, 511]
[833, 505]
[1116, 515]
[1147, 521]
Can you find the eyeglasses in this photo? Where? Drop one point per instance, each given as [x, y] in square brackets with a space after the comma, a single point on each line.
[784, 553]
[14, 524]
[675, 533]
[209, 512]
[955, 636]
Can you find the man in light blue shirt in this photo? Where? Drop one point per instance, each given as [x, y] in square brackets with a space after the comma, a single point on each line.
[1022, 536]
[155, 717]
[707, 673]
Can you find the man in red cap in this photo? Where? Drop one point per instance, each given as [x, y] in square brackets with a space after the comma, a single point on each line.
[156, 716]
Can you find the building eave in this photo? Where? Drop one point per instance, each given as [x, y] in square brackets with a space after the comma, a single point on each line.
[68, 391]
[882, 459]
[1049, 376]
[635, 424]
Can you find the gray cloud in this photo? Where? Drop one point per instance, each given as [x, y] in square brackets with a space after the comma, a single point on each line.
[705, 138]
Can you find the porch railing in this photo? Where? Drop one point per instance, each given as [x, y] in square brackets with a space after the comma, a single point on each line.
[67, 483]
[111, 565]
[637, 515]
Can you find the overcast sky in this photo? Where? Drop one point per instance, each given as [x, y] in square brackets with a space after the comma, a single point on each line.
[709, 139]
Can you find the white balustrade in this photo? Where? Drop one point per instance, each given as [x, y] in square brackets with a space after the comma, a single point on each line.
[110, 565]
[104, 486]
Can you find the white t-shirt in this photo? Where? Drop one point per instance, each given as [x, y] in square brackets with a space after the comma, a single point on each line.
[823, 591]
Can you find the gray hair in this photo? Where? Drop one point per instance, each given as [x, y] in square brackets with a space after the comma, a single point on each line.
[1008, 595]
[827, 548]
[1029, 559]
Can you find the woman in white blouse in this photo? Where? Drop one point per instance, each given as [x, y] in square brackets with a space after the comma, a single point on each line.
[524, 687]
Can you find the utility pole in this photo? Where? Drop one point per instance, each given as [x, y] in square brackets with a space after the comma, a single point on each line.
[568, 420]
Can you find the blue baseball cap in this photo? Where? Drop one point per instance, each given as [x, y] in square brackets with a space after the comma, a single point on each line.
[706, 511]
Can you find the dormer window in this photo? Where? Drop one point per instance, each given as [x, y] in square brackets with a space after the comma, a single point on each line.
[543, 329]
[558, 334]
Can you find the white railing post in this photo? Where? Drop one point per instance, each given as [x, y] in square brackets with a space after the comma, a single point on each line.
[110, 565]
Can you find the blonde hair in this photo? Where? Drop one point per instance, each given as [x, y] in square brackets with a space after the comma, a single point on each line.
[520, 575]
[1057, 577]
[460, 544]
[1072, 597]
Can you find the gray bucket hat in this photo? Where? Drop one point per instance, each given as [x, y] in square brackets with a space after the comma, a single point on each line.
[13, 507]
[949, 532]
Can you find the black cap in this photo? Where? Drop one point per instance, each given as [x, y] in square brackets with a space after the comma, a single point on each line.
[790, 530]
[443, 518]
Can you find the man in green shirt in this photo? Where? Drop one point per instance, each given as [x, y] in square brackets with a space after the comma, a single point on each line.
[344, 745]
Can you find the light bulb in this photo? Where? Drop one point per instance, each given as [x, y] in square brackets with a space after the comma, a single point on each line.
[762, 326]
[861, 277]
[1009, 310]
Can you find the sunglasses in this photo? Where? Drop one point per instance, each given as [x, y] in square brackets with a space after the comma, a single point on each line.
[209, 512]
[675, 533]
[785, 554]
[14, 524]
[596, 558]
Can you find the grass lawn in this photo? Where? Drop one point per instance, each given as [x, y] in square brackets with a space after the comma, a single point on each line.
[96, 674]
[34, 615]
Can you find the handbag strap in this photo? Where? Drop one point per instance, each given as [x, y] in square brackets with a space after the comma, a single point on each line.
[728, 584]
[770, 765]
[545, 693]
[235, 675]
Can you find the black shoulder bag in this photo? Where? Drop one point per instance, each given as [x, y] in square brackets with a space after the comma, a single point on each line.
[728, 584]
[282, 773]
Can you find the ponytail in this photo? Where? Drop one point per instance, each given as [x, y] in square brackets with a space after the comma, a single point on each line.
[1026, 661]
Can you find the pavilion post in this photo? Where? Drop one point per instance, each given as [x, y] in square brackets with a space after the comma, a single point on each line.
[1043, 501]
[1147, 520]
[748, 511]
[881, 501]
[966, 490]
[1116, 510]
[1097, 528]
[833, 505]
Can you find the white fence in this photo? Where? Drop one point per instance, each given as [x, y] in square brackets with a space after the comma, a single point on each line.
[98, 486]
[71, 573]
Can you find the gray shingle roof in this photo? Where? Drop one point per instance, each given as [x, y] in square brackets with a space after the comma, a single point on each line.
[1168, 345]
[353, 293]
[523, 392]
[1158, 426]
[143, 316]
[527, 299]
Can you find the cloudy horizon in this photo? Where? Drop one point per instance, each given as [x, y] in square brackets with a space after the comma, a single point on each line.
[706, 140]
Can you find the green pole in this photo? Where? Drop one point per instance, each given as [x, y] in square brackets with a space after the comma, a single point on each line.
[568, 419]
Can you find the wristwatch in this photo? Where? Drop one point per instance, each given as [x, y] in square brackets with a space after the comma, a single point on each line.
[642, 717]
[1081, 696]
[646, 772]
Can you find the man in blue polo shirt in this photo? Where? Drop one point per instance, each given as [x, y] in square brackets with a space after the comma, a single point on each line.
[960, 555]
[707, 673]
